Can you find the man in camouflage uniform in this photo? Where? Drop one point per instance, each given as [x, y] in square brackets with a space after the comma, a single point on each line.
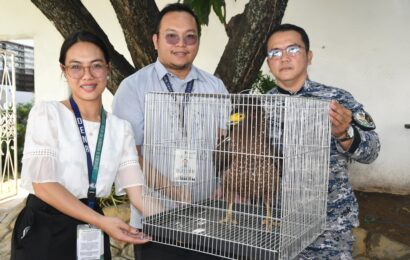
[353, 137]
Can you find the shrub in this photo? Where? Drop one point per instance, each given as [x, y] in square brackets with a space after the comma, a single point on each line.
[22, 111]
[262, 84]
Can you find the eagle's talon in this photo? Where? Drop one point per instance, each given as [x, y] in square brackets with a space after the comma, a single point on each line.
[229, 219]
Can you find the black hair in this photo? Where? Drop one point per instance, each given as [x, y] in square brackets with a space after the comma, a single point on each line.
[291, 27]
[177, 7]
[83, 36]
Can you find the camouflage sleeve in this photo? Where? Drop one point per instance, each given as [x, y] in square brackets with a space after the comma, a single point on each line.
[367, 150]
[367, 147]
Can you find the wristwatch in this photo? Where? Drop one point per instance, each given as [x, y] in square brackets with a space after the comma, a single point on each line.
[349, 135]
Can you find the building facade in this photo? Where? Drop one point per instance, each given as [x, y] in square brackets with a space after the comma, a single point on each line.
[24, 64]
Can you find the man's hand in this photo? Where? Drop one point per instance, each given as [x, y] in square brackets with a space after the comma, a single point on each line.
[340, 118]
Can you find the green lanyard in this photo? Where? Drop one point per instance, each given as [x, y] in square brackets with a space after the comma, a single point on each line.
[92, 167]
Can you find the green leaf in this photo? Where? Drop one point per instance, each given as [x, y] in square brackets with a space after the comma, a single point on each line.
[113, 200]
[218, 7]
[202, 8]
[263, 84]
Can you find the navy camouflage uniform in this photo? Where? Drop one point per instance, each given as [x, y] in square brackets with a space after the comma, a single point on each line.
[342, 207]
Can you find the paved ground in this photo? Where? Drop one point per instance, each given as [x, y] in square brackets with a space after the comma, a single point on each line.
[387, 214]
[13, 201]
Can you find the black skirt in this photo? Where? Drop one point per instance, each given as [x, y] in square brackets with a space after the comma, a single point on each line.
[43, 232]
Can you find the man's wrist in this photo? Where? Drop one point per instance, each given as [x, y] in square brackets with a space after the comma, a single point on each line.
[342, 136]
[346, 136]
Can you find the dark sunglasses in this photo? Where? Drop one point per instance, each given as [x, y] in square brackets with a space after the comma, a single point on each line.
[173, 39]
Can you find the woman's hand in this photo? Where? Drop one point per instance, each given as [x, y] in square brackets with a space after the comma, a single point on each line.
[57, 196]
[119, 230]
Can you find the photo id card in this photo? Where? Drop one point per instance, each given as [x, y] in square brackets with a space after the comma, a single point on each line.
[185, 165]
[90, 243]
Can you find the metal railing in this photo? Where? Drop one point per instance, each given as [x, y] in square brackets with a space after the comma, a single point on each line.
[8, 131]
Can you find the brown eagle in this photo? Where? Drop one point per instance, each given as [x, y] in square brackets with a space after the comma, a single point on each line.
[249, 170]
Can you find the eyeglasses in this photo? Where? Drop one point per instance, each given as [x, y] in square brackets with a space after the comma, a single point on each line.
[291, 50]
[77, 71]
[173, 39]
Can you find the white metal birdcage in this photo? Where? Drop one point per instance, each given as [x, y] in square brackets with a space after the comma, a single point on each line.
[237, 176]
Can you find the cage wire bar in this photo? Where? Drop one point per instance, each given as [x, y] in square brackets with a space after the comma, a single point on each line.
[8, 131]
[237, 176]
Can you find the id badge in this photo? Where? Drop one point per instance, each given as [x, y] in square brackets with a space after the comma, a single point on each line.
[90, 243]
[185, 166]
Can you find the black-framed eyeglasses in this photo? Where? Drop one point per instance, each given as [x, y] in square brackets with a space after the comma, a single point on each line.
[291, 50]
[174, 39]
[77, 71]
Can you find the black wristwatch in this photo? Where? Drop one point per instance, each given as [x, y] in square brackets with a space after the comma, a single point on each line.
[349, 135]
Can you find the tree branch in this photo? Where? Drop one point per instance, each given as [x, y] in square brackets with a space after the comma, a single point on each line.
[138, 20]
[246, 50]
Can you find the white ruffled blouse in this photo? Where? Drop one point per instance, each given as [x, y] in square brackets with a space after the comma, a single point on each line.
[54, 152]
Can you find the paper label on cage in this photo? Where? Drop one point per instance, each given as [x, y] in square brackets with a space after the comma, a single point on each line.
[185, 166]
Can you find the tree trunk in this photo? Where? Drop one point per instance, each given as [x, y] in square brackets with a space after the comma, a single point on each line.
[246, 48]
[138, 20]
[239, 64]
[71, 16]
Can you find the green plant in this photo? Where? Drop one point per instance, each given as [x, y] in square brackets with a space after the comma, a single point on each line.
[262, 84]
[22, 111]
[113, 200]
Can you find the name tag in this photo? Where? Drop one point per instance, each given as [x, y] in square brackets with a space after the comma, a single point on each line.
[90, 243]
[185, 166]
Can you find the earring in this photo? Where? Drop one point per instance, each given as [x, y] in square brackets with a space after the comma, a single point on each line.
[108, 77]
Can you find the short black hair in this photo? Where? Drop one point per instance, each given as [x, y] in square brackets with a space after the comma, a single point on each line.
[83, 36]
[177, 7]
[291, 27]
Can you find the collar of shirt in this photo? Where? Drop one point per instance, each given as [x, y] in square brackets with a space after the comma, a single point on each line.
[162, 71]
[305, 88]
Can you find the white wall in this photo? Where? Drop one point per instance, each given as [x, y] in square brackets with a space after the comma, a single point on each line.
[361, 46]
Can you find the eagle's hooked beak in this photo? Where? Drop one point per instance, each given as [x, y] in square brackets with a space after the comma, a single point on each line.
[236, 118]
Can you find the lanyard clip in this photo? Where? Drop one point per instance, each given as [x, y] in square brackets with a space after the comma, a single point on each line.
[91, 196]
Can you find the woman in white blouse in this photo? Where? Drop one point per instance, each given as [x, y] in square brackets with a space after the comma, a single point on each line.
[56, 170]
